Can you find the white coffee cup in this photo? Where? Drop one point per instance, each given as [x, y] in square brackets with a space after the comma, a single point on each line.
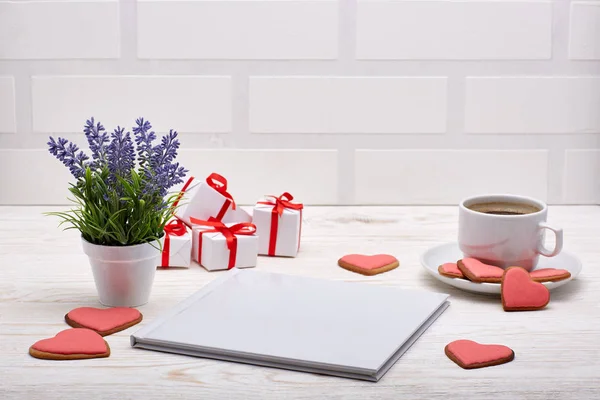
[505, 240]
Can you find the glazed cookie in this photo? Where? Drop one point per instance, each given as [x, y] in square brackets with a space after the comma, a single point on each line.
[477, 271]
[520, 293]
[104, 321]
[549, 275]
[450, 270]
[368, 265]
[71, 344]
[468, 354]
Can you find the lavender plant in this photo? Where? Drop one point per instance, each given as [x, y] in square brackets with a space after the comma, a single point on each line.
[122, 191]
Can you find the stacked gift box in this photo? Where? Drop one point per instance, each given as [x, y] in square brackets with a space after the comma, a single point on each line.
[212, 230]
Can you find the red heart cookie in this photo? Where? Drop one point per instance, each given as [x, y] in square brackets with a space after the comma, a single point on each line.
[477, 271]
[71, 344]
[468, 354]
[104, 321]
[549, 275]
[520, 293]
[450, 270]
[368, 265]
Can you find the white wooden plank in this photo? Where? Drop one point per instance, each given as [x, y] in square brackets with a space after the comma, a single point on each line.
[44, 275]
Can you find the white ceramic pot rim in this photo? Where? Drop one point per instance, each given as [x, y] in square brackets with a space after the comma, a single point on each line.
[508, 198]
[119, 254]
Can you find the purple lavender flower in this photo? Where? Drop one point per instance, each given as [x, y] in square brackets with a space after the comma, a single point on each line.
[68, 155]
[97, 138]
[120, 155]
[143, 140]
[165, 177]
[175, 175]
[158, 171]
[114, 156]
[166, 151]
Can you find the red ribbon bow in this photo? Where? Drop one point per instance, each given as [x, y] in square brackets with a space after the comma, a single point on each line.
[176, 228]
[219, 183]
[280, 203]
[230, 232]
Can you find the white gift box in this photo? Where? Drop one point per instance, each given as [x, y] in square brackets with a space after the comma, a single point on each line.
[288, 225]
[177, 250]
[209, 249]
[200, 200]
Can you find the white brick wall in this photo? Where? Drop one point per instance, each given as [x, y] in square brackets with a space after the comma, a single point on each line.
[585, 30]
[192, 103]
[39, 30]
[276, 30]
[347, 105]
[529, 105]
[7, 104]
[336, 101]
[438, 176]
[581, 177]
[447, 30]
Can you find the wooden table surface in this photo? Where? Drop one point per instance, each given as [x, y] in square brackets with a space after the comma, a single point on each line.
[44, 274]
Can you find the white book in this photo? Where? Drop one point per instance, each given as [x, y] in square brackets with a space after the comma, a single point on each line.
[353, 330]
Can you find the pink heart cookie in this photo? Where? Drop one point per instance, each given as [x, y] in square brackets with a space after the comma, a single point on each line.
[520, 293]
[549, 275]
[477, 271]
[105, 321]
[468, 354]
[368, 265]
[71, 344]
[450, 270]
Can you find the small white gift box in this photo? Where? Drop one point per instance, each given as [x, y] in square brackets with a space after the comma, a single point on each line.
[278, 225]
[205, 199]
[217, 246]
[177, 246]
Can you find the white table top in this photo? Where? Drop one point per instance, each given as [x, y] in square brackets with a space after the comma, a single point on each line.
[44, 274]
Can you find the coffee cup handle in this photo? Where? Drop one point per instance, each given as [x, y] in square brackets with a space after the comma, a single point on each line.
[558, 243]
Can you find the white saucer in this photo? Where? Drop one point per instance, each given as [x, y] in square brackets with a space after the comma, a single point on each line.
[449, 252]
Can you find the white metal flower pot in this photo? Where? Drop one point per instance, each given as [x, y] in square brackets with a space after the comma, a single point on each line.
[123, 274]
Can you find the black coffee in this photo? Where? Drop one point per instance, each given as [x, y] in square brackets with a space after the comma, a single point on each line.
[504, 208]
[503, 213]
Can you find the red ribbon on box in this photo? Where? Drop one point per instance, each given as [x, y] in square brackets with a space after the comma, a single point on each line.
[176, 228]
[230, 232]
[183, 189]
[279, 204]
[219, 183]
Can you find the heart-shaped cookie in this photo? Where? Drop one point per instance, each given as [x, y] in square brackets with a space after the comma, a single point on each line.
[105, 321]
[477, 271]
[450, 270]
[549, 274]
[368, 264]
[468, 354]
[71, 344]
[520, 293]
